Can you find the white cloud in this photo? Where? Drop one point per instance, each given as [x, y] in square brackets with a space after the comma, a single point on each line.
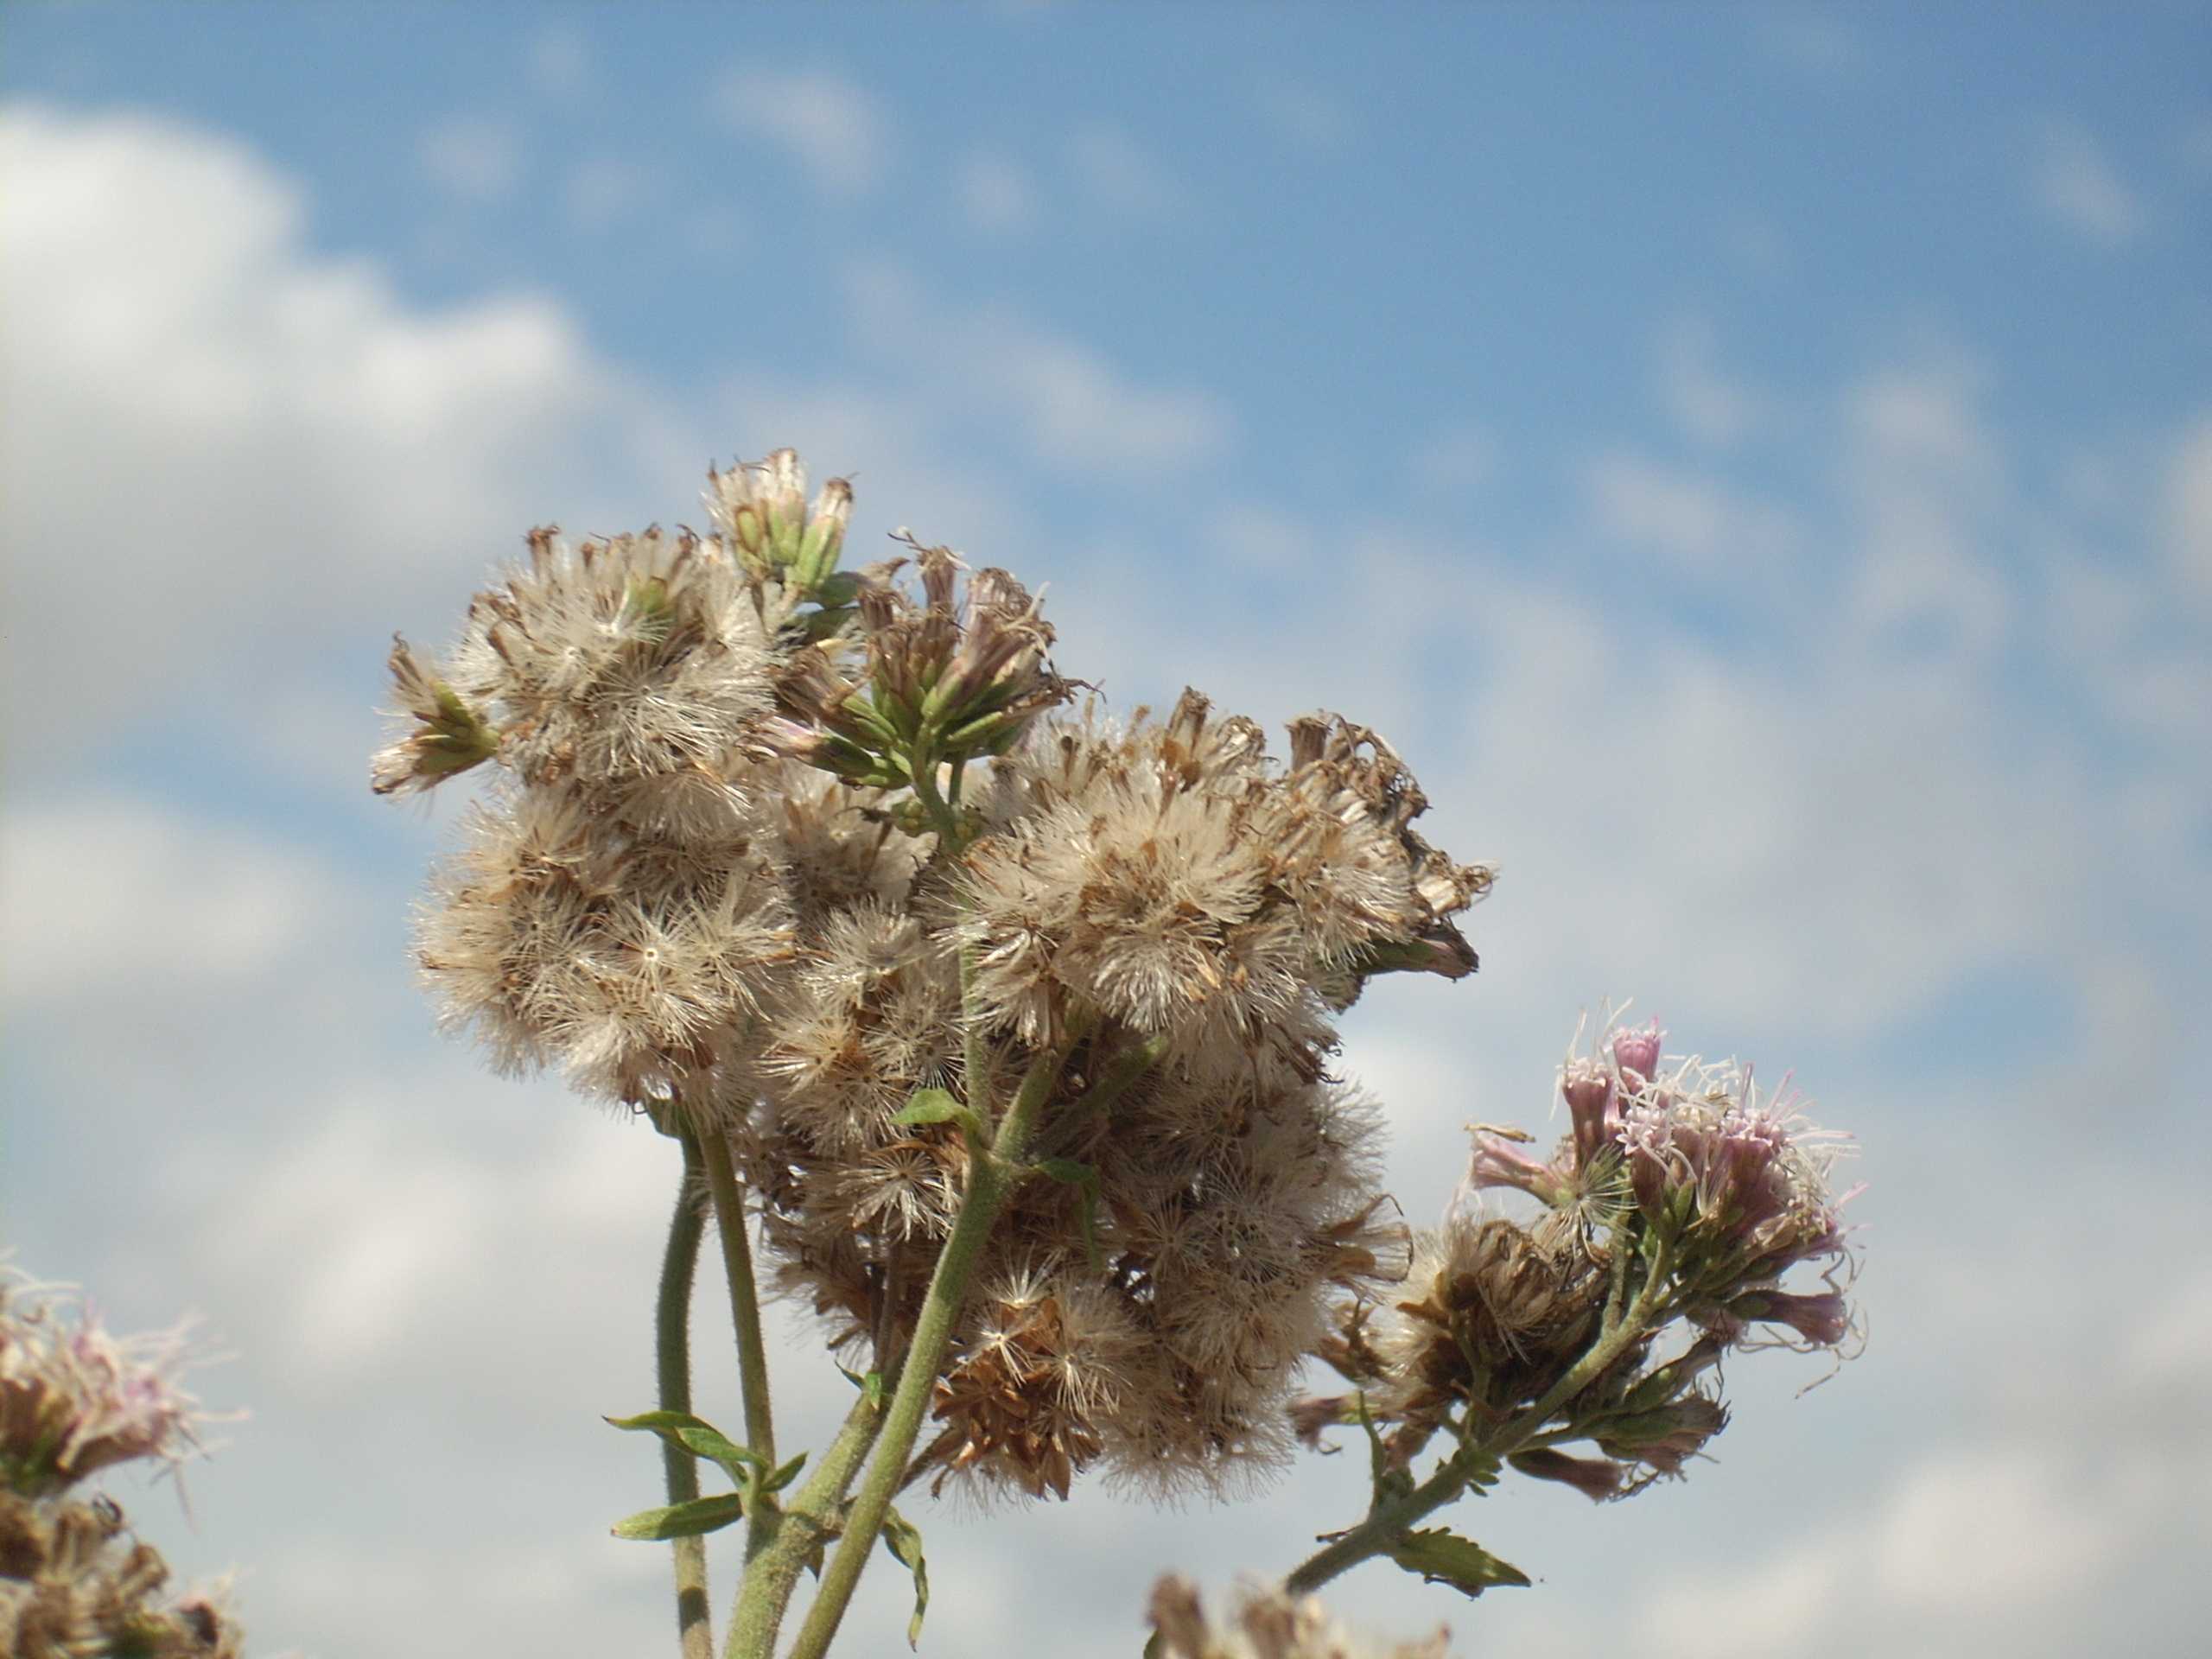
[1304, 116]
[1705, 402]
[264, 445]
[560, 58]
[128, 899]
[1252, 536]
[1923, 477]
[996, 194]
[1817, 43]
[2076, 187]
[604, 191]
[1455, 461]
[831, 125]
[1118, 174]
[474, 157]
[1699, 526]
[2189, 508]
[1060, 399]
[2195, 144]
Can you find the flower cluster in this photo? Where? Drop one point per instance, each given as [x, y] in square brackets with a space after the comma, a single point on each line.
[76, 1402]
[1676, 1192]
[790, 847]
[1178, 916]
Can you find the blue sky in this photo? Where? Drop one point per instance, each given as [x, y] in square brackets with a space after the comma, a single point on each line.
[1756, 463]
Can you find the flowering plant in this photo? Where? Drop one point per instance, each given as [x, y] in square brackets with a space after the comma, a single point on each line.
[76, 1402]
[999, 1030]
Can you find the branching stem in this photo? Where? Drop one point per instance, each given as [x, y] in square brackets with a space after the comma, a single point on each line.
[1388, 1523]
[993, 1172]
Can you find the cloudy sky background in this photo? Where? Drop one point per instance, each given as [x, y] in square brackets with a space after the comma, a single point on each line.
[1755, 464]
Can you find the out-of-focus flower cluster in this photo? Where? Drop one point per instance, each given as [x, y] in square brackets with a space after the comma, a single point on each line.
[1267, 1625]
[782, 845]
[1674, 1174]
[75, 1401]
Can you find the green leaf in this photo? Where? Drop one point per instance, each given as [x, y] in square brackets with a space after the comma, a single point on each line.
[840, 588]
[904, 1539]
[784, 1477]
[698, 1437]
[700, 1515]
[1085, 1179]
[871, 1385]
[1441, 1556]
[938, 1106]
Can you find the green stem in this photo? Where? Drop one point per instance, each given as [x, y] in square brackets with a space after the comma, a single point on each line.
[924, 772]
[1382, 1529]
[993, 1173]
[745, 1315]
[1387, 1523]
[672, 1351]
[974, 1053]
[808, 1522]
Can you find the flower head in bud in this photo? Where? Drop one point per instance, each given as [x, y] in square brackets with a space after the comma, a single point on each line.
[443, 735]
[1666, 1437]
[1596, 1478]
[940, 681]
[762, 511]
[74, 1400]
[1821, 1318]
[1635, 1052]
[1268, 1624]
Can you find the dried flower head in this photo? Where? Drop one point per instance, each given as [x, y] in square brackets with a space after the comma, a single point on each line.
[74, 1582]
[1267, 1625]
[1168, 875]
[1489, 1314]
[562, 940]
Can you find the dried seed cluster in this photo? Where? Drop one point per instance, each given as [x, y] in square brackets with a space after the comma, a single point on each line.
[781, 845]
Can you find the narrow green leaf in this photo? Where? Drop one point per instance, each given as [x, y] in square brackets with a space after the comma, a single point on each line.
[904, 1539]
[784, 1477]
[939, 1106]
[698, 1437]
[1441, 1556]
[700, 1515]
[871, 1385]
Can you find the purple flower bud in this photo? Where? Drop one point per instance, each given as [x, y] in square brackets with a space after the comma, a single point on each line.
[1596, 1478]
[1498, 1163]
[1823, 1318]
[1636, 1051]
[1594, 1101]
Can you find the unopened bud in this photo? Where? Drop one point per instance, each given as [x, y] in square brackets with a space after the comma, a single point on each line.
[1596, 1478]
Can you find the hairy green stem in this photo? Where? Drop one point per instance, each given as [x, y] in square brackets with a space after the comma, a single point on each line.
[1389, 1520]
[672, 1352]
[745, 1315]
[808, 1522]
[993, 1173]
[1382, 1529]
